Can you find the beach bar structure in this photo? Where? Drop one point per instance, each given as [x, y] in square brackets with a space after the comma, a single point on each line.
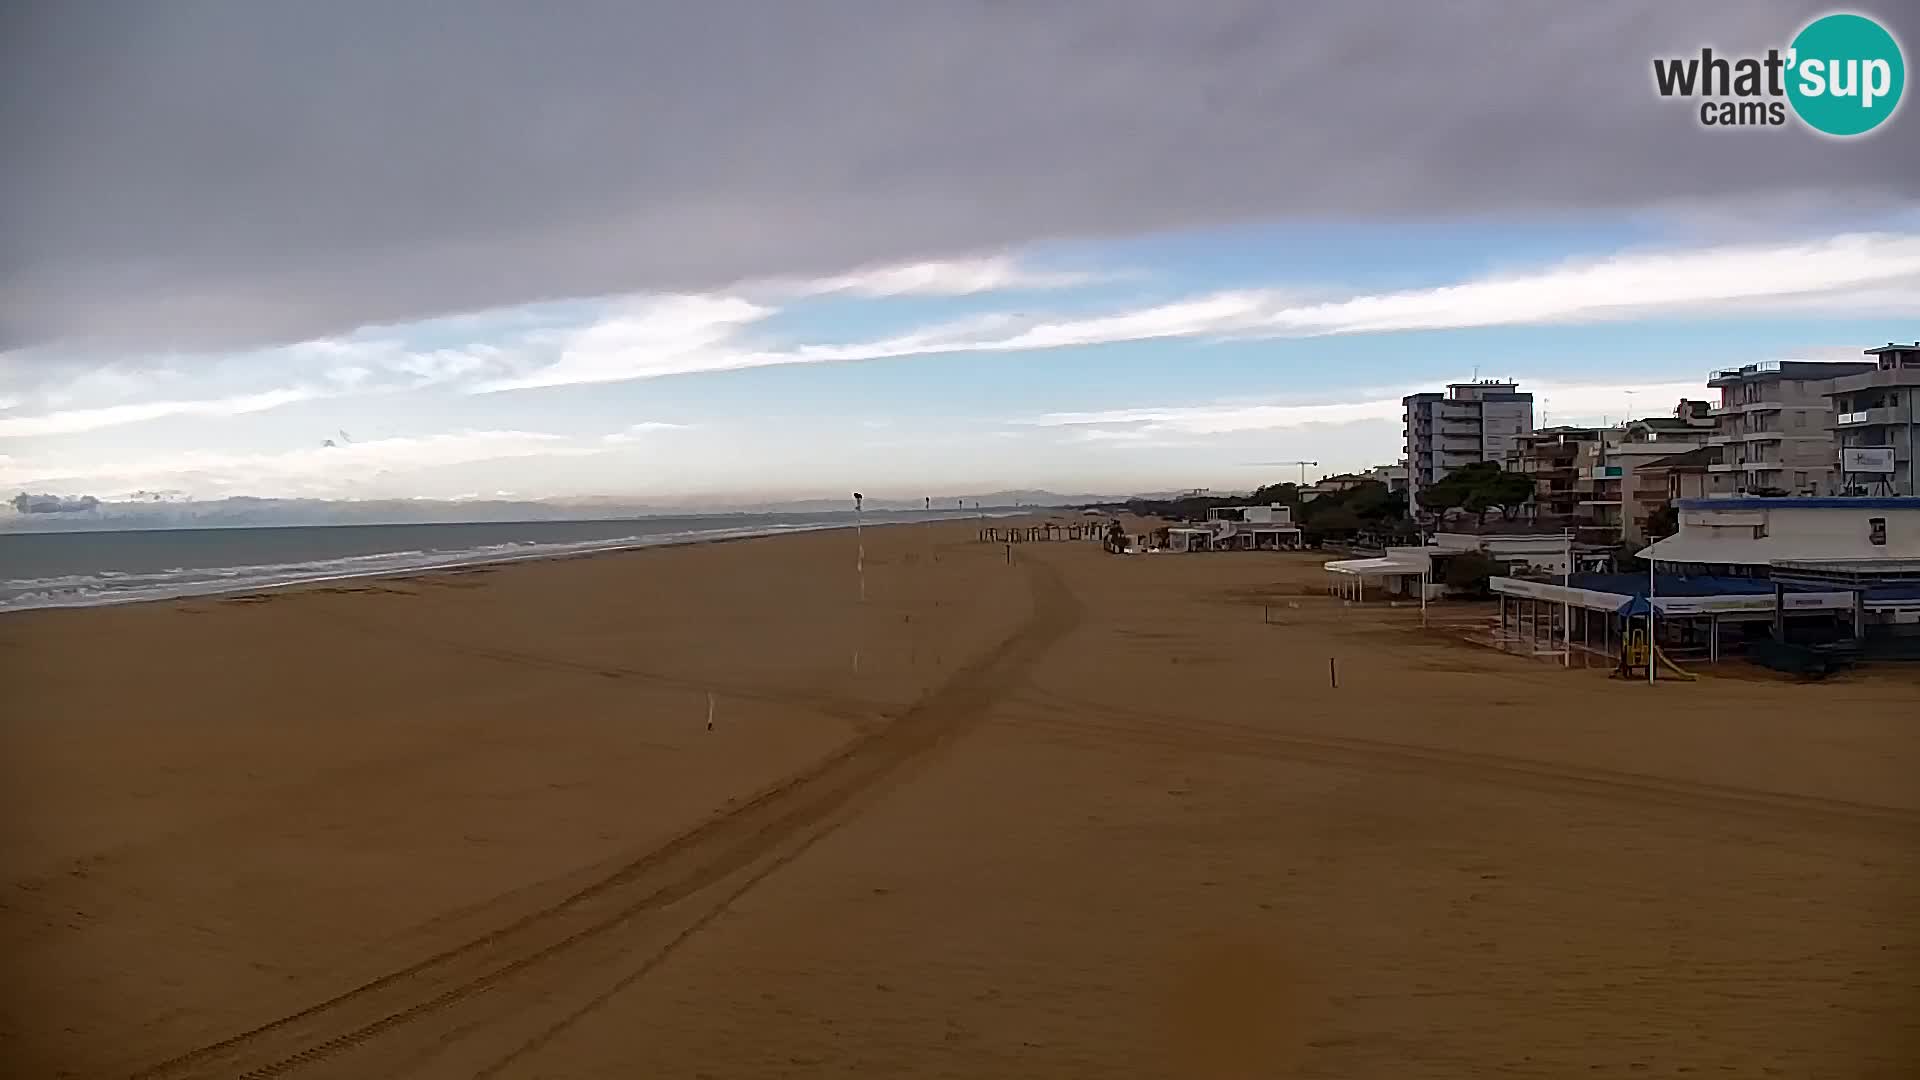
[1399, 572]
[1184, 539]
[1742, 573]
[1893, 584]
[1238, 528]
[1253, 528]
[1695, 617]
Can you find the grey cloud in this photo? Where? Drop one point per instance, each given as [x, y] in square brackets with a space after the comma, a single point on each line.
[211, 175]
[52, 504]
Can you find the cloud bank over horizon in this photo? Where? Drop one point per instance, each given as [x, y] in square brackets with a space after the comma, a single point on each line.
[358, 251]
[257, 175]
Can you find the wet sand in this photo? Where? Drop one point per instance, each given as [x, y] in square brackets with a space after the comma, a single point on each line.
[1079, 815]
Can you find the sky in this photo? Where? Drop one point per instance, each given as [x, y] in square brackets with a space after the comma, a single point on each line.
[762, 249]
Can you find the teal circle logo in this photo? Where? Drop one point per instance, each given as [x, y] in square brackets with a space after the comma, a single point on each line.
[1846, 74]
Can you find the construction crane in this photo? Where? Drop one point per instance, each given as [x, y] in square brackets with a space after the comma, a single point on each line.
[1303, 468]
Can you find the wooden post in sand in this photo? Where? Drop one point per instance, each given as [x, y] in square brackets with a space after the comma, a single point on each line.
[932, 552]
[1333, 673]
[709, 710]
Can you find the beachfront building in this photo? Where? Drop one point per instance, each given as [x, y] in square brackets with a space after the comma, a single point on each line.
[1744, 536]
[1745, 574]
[1876, 423]
[1332, 485]
[1394, 476]
[1472, 421]
[1551, 458]
[1663, 482]
[1587, 480]
[1775, 427]
[1612, 493]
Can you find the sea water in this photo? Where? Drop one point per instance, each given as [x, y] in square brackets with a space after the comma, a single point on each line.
[81, 569]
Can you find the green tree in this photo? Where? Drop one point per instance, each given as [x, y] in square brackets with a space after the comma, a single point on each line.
[1469, 572]
[1663, 522]
[1438, 499]
[1332, 523]
[1287, 494]
[1478, 488]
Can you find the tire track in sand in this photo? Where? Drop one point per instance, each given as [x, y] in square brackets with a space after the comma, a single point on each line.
[779, 823]
[1107, 720]
[837, 706]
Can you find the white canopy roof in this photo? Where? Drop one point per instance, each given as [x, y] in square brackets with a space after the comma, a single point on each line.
[1395, 565]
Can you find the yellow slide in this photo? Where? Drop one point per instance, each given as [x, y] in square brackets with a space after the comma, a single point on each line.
[1673, 667]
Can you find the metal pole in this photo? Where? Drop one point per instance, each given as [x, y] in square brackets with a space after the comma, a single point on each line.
[1653, 645]
[1566, 608]
[860, 540]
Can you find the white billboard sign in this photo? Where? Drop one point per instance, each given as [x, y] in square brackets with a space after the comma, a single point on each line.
[1866, 459]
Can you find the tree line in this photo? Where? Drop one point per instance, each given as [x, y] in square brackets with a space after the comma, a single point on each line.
[1368, 510]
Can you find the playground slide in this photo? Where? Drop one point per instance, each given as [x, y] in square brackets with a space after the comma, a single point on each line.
[1677, 670]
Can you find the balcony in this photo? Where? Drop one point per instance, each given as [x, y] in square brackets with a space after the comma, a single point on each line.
[1603, 472]
[1552, 452]
[1882, 415]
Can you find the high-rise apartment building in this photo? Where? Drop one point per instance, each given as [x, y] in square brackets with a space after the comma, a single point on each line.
[1472, 421]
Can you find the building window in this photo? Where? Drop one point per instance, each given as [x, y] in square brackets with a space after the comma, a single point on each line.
[1800, 480]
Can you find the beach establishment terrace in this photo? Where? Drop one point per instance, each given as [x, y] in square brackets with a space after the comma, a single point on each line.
[1697, 616]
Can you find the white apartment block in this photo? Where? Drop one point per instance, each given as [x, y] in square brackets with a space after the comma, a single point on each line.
[1775, 427]
[1472, 421]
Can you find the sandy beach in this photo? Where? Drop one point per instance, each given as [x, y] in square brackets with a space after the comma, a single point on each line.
[1068, 815]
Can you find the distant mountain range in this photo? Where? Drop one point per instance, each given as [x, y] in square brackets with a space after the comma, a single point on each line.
[48, 513]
